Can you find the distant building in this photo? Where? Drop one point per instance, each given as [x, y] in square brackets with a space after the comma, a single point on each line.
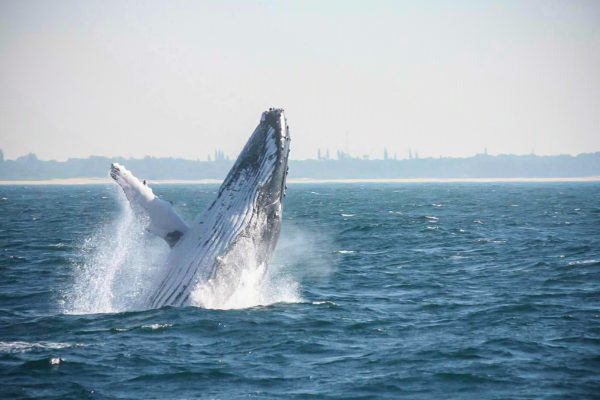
[220, 155]
[27, 158]
[342, 155]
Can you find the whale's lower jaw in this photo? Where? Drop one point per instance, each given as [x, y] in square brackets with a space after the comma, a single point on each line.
[240, 229]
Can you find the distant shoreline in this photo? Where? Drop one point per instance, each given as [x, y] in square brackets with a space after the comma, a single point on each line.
[105, 181]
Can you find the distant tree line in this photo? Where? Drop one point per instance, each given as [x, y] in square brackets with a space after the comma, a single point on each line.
[478, 166]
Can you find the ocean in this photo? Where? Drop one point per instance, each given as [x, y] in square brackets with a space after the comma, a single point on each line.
[376, 291]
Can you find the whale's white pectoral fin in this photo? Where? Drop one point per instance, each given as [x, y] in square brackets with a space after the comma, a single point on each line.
[163, 221]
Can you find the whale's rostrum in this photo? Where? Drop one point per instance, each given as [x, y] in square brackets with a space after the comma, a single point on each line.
[239, 229]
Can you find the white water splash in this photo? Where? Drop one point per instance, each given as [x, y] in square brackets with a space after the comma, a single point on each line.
[252, 290]
[300, 255]
[242, 283]
[120, 261]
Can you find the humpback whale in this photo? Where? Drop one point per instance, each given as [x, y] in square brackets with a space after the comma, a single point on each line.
[238, 230]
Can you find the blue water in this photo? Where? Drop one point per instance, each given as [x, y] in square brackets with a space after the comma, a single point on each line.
[483, 291]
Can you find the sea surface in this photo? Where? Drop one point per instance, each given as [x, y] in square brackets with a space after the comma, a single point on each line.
[376, 291]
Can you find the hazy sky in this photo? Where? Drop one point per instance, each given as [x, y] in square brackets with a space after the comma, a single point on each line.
[182, 78]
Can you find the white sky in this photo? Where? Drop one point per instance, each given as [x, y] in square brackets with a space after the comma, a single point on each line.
[179, 78]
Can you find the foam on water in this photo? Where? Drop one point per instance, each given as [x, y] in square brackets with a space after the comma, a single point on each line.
[21, 346]
[155, 327]
[346, 251]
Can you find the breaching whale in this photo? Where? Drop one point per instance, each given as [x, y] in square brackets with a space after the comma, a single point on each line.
[238, 230]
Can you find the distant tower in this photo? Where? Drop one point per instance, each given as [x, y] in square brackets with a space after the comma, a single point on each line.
[327, 154]
[220, 155]
[347, 143]
[416, 155]
[409, 154]
[385, 153]
[485, 151]
[318, 154]
[1, 156]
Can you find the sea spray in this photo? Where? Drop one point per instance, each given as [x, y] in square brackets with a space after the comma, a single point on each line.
[300, 255]
[242, 282]
[121, 263]
[252, 289]
[305, 254]
[120, 260]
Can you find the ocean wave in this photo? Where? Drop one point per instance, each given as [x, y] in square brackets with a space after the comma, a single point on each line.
[155, 327]
[584, 262]
[322, 302]
[21, 347]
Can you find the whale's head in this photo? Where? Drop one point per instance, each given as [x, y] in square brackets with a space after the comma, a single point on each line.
[260, 171]
[263, 162]
[274, 137]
